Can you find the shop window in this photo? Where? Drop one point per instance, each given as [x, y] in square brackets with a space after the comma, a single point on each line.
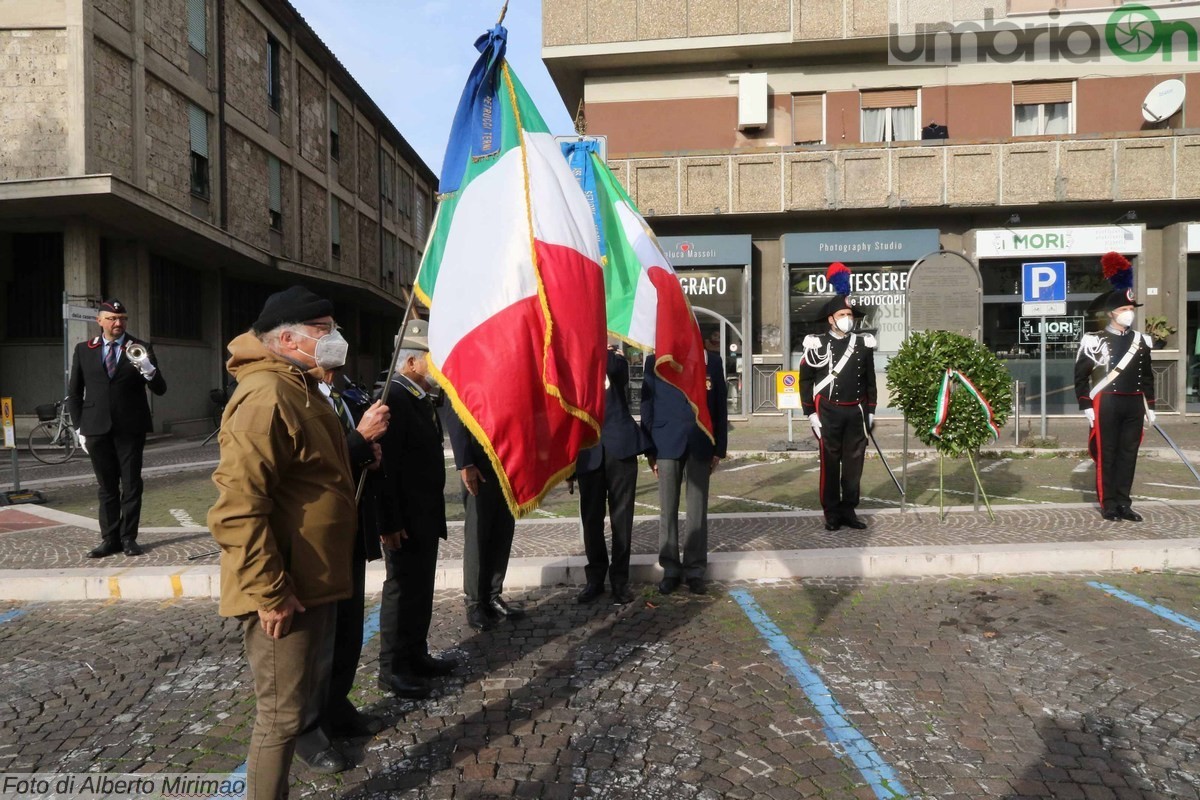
[808, 118]
[274, 77]
[889, 115]
[198, 131]
[175, 292]
[275, 202]
[1042, 108]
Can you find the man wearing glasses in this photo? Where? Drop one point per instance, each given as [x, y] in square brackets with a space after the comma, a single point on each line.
[285, 519]
[107, 402]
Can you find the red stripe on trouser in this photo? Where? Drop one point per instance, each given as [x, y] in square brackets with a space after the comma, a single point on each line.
[820, 452]
[1098, 454]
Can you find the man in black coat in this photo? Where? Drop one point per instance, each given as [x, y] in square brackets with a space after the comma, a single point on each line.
[412, 518]
[487, 531]
[607, 473]
[107, 402]
[678, 448]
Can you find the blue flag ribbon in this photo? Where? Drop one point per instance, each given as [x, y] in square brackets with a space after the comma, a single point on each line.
[579, 155]
[476, 129]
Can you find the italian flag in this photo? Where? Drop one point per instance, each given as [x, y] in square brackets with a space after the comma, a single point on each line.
[511, 275]
[646, 306]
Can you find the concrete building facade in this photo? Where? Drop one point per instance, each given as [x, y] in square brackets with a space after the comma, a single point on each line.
[190, 157]
[780, 130]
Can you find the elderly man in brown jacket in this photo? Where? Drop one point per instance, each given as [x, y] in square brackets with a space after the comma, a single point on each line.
[284, 520]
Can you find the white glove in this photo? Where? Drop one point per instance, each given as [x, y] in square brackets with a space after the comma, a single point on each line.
[815, 421]
[1090, 413]
[1150, 416]
[144, 366]
[870, 422]
[82, 441]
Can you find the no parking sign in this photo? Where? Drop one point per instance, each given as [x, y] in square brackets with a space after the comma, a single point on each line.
[787, 389]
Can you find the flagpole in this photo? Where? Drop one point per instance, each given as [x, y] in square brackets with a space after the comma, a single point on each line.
[387, 383]
[503, 11]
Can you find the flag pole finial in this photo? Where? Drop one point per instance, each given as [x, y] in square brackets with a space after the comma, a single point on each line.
[503, 11]
[580, 120]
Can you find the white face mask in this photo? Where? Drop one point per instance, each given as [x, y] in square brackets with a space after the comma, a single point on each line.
[844, 324]
[331, 349]
[1124, 319]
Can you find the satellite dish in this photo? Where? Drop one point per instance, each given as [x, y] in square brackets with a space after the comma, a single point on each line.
[1164, 100]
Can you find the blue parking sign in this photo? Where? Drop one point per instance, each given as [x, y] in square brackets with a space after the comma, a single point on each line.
[1044, 281]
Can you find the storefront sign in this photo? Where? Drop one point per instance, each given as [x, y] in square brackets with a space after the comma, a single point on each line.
[694, 284]
[1090, 241]
[859, 246]
[1059, 330]
[686, 252]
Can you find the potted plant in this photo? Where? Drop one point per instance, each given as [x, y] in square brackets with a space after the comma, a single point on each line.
[1159, 330]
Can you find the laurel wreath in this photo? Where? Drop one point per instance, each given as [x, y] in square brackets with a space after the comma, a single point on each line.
[915, 376]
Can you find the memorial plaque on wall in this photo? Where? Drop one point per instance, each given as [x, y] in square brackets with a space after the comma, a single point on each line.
[945, 293]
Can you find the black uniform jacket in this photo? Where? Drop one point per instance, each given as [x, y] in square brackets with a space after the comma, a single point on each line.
[412, 482]
[1102, 352]
[620, 435]
[668, 419]
[99, 404]
[854, 384]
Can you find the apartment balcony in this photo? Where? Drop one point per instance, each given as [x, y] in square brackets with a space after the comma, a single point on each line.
[1146, 166]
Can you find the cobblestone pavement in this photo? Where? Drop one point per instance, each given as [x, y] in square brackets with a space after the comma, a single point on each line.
[66, 546]
[1007, 688]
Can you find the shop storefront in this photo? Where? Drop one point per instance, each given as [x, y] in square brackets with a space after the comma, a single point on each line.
[879, 261]
[1190, 342]
[714, 272]
[1016, 339]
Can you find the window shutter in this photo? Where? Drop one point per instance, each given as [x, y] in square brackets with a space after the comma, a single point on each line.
[807, 118]
[333, 115]
[336, 218]
[197, 31]
[273, 173]
[198, 128]
[1025, 94]
[889, 98]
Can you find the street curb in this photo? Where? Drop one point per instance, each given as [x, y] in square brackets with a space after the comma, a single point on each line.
[203, 582]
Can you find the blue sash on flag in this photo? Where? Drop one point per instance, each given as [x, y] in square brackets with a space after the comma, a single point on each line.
[476, 130]
[579, 155]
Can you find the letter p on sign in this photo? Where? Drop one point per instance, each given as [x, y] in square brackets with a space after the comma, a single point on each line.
[1044, 281]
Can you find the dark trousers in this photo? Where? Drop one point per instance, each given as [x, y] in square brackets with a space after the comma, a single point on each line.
[689, 558]
[117, 462]
[614, 482]
[406, 609]
[843, 448]
[1114, 443]
[487, 540]
[287, 673]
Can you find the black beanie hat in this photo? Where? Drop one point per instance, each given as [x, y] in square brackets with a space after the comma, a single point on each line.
[294, 304]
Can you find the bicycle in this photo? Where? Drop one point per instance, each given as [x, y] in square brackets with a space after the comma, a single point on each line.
[53, 440]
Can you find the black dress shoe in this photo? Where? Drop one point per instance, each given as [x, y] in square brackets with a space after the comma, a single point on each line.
[503, 609]
[697, 586]
[407, 686]
[132, 549]
[590, 593]
[326, 762]
[621, 595]
[105, 549]
[479, 619]
[356, 726]
[1125, 512]
[668, 585]
[831, 525]
[1111, 516]
[855, 523]
[426, 666]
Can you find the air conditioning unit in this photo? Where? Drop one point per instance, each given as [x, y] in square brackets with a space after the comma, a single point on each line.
[752, 100]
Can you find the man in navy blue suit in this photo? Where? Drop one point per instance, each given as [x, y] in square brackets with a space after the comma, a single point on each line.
[679, 448]
[608, 473]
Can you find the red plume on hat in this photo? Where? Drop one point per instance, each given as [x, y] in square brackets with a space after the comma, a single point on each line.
[838, 276]
[1117, 270]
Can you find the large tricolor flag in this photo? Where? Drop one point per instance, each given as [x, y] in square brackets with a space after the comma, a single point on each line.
[646, 305]
[512, 278]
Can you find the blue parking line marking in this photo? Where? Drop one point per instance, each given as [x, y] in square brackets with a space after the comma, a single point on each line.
[838, 729]
[1162, 611]
[371, 624]
[240, 770]
[9, 616]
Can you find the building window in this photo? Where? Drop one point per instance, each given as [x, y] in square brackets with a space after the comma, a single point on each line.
[275, 181]
[387, 270]
[808, 118]
[419, 221]
[197, 26]
[1042, 108]
[387, 180]
[406, 188]
[889, 115]
[175, 292]
[33, 293]
[274, 78]
[335, 147]
[335, 227]
[198, 130]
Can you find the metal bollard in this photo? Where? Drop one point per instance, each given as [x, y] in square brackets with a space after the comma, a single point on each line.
[1016, 413]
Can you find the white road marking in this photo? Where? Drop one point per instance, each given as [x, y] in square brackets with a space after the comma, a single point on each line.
[998, 497]
[766, 503]
[543, 513]
[1083, 466]
[184, 518]
[1173, 486]
[754, 464]
[996, 465]
[646, 505]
